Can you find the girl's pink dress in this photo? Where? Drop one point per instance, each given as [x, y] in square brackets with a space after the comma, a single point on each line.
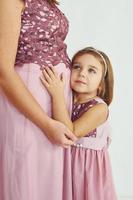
[91, 169]
[31, 167]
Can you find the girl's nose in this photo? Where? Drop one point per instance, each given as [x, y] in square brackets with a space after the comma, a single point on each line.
[82, 73]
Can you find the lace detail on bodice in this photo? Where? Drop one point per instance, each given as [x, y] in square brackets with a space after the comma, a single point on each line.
[43, 31]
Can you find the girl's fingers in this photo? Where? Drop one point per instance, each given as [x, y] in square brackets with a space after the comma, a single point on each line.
[62, 77]
[54, 71]
[46, 76]
[44, 82]
[50, 72]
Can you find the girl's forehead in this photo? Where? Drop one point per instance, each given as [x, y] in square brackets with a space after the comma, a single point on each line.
[88, 59]
[86, 56]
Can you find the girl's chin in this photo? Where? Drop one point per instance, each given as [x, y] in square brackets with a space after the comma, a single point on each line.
[80, 90]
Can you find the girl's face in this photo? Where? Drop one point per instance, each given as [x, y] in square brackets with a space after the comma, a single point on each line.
[86, 75]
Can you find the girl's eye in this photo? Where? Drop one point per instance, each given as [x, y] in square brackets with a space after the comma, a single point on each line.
[76, 67]
[91, 71]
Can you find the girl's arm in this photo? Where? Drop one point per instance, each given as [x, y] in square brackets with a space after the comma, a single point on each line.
[87, 122]
[12, 84]
[90, 120]
[55, 86]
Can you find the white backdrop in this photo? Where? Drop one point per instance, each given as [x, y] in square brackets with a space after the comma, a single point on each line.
[108, 26]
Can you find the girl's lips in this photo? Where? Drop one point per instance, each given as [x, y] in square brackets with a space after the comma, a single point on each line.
[78, 81]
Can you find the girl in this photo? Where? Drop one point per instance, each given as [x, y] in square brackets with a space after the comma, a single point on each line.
[92, 85]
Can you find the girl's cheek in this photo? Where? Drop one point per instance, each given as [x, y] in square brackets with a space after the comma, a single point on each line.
[72, 76]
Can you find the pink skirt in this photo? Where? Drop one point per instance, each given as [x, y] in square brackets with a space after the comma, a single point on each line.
[91, 175]
[31, 167]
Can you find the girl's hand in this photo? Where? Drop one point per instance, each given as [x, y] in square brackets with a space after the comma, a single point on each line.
[52, 82]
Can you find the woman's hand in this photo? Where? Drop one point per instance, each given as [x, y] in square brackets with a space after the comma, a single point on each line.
[52, 82]
[59, 134]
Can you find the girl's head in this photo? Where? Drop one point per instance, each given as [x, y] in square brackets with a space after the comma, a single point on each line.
[92, 74]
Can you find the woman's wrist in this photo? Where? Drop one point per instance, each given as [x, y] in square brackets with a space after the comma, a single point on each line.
[47, 123]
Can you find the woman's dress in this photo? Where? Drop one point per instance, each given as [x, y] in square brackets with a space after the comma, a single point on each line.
[31, 167]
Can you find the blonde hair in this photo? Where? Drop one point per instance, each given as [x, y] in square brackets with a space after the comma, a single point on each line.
[105, 90]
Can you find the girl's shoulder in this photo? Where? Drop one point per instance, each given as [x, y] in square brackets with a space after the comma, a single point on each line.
[80, 109]
[88, 104]
[99, 100]
[92, 102]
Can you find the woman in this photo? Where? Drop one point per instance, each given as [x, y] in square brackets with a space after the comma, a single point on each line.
[31, 163]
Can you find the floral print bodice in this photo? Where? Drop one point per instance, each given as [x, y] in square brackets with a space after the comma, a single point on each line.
[43, 31]
[79, 109]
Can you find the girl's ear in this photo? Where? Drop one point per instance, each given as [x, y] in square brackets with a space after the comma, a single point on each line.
[99, 90]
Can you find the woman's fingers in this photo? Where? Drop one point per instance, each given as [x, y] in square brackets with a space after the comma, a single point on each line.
[67, 143]
[71, 136]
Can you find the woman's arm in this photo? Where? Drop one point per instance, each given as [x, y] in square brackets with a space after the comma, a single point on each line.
[90, 120]
[11, 83]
